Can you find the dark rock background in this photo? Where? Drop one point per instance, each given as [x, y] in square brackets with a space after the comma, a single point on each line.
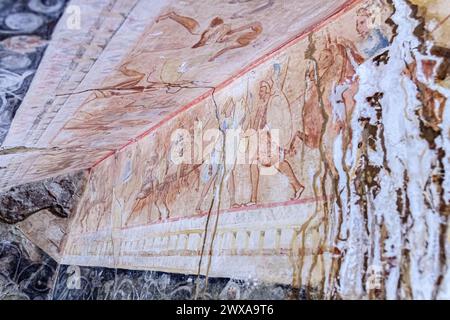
[93, 283]
[25, 26]
[26, 272]
[57, 195]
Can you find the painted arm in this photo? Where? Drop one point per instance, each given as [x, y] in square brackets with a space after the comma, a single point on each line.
[188, 23]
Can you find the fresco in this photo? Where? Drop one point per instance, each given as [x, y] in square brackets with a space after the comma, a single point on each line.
[308, 153]
[328, 196]
[131, 64]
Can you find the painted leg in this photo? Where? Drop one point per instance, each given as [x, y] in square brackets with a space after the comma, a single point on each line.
[254, 178]
[286, 169]
[204, 193]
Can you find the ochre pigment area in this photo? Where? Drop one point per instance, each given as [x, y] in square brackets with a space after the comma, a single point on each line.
[303, 147]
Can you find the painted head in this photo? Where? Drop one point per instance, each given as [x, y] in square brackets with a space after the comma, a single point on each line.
[216, 22]
[363, 23]
[228, 108]
[265, 89]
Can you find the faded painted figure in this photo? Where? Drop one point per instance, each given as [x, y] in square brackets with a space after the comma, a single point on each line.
[218, 32]
[330, 85]
[272, 115]
[163, 181]
[220, 164]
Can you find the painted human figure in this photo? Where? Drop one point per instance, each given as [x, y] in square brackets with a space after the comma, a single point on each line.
[271, 96]
[331, 84]
[146, 197]
[210, 169]
[94, 211]
[154, 190]
[373, 39]
[135, 82]
[232, 116]
[166, 176]
[217, 32]
[238, 38]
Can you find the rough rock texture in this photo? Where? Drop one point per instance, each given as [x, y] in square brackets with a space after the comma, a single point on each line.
[58, 195]
[96, 283]
[26, 272]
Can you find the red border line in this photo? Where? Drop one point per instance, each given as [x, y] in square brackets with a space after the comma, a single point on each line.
[233, 210]
[214, 212]
[331, 17]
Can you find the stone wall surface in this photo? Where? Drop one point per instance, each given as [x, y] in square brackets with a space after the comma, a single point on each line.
[241, 149]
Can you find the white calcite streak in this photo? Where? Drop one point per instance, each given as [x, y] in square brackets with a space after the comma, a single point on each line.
[399, 243]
